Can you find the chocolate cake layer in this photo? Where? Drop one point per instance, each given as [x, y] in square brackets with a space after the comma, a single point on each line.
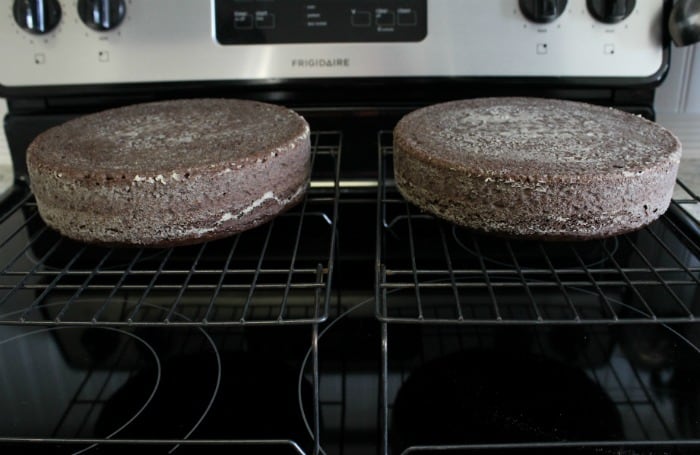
[536, 168]
[170, 173]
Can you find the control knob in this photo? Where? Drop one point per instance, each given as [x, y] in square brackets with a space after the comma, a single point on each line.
[610, 11]
[684, 22]
[37, 16]
[542, 11]
[102, 15]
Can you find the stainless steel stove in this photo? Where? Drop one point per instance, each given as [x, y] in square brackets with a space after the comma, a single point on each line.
[353, 323]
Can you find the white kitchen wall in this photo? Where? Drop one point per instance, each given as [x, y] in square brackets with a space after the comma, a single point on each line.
[680, 92]
[678, 106]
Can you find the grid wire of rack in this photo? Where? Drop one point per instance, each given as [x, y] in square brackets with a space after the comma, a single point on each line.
[278, 273]
[431, 271]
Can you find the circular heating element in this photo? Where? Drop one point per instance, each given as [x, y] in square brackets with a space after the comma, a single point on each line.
[170, 173]
[150, 383]
[536, 168]
[83, 365]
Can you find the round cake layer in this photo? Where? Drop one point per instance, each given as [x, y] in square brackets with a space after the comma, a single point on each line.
[536, 168]
[170, 173]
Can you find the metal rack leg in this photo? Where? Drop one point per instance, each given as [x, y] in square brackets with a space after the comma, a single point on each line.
[316, 404]
[384, 390]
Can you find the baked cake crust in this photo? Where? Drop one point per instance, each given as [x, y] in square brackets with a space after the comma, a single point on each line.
[170, 173]
[536, 168]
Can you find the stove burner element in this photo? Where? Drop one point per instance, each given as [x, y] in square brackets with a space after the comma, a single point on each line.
[72, 389]
[149, 384]
[115, 362]
[257, 401]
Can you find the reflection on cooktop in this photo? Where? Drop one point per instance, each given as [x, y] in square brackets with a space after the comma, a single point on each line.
[571, 384]
[149, 383]
[486, 396]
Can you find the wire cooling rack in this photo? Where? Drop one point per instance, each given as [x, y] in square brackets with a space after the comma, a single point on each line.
[451, 284]
[431, 271]
[279, 273]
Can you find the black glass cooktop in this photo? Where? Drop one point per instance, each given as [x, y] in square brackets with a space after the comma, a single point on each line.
[181, 384]
[476, 385]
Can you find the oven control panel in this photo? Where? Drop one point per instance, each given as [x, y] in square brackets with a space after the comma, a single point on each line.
[320, 21]
[96, 42]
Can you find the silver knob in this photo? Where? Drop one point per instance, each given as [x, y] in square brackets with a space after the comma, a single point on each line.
[684, 22]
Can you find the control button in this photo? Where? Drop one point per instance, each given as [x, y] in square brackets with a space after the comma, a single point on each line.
[360, 18]
[264, 20]
[39, 59]
[610, 11]
[103, 56]
[609, 49]
[242, 20]
[406, 17]
[542, 48]
[542, 11]
[384, 18]
[102, 15]
[37, 16]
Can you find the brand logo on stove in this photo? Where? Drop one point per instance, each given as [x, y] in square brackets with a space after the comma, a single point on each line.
[320, 62]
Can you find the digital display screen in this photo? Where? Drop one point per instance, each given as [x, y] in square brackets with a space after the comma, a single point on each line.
[319, 21]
